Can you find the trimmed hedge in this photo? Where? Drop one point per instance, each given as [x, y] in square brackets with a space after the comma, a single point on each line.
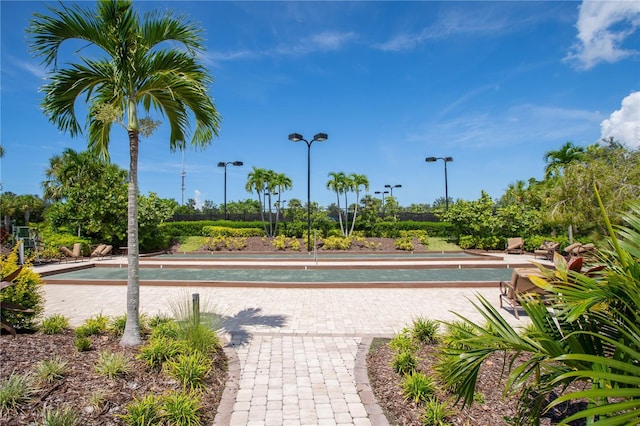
[226, 231]
[179, 229]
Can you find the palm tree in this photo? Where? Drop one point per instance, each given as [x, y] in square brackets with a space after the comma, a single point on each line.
[338, 183]
[557, 159]
[135, 71]
[282, 183]
[358, 181]
[257, 180]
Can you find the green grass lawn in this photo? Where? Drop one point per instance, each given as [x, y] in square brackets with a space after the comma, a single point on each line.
[441, 244]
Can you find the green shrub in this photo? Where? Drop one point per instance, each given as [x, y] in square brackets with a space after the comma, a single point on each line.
[182, 408]
[52, 241]
[337, 243]
[112, 364]
[117, 325]
[82, 343]
[157, 320]
[417, 387]
[219, 242]
[281, 242]
[436, 413]
[190, 370]
[168, 330]
[425, 330]
[146, 411]
[159, 350]
[420, 234]
[404, 363]
[50, 370]
[191, 228]
[15, 391]
[25, 292]
[404, 243]
[60, 417]
[224, 231]
[95, 325]
[456, 333]
[54, 324]
[402, 341]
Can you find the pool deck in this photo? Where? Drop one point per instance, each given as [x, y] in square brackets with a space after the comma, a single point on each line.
[297, 355]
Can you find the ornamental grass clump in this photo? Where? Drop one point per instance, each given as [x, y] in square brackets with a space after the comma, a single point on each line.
[190, 370]
[159, 350]
[418, 387]
[15, 392]
[112, 364]
[182, 408]
[425, 330]
[54, 324]
[60, 417]
[50, 370]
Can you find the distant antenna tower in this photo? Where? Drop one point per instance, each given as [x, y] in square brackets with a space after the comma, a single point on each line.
[183, 173]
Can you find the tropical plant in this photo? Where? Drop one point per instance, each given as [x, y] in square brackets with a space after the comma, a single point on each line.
[190, 370]
[590, 335]
[21, 299]
[436, 413]
[418, 387]
[404, 362]
[358, 181]
[182, 408]
[425, 330]
[145, 411]
[558, 159]
[136, 71]
[54, 324]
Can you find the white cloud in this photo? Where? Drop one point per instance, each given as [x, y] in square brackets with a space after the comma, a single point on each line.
[624, 124]
[197, 196]
[602, 28]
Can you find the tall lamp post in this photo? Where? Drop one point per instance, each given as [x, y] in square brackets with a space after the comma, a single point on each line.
[319, 137]
[446, 189]
[391, 188]
[382, 193]
[225, 164]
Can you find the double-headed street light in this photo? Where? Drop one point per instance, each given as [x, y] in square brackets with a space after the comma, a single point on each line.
[382, 193]
[446, 189]
[225, 164]
[391, 188]
[319, 137]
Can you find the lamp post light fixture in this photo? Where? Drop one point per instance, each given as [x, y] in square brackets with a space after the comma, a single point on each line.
[319, 137]
[382, 193]
[391, 188]
[446, 189]
[225, 164]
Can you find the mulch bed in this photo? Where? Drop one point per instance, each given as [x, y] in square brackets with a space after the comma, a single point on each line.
[20, 355]
[494, 408]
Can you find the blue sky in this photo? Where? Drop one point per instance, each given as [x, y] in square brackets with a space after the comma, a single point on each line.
[493, 84]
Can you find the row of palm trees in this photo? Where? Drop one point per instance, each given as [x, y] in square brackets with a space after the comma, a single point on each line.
[267, 183]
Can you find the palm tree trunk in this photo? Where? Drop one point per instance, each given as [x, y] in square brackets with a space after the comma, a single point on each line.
[355, 213]
[345, 232]
[339, 212]
[264, 223]
[131, 335]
